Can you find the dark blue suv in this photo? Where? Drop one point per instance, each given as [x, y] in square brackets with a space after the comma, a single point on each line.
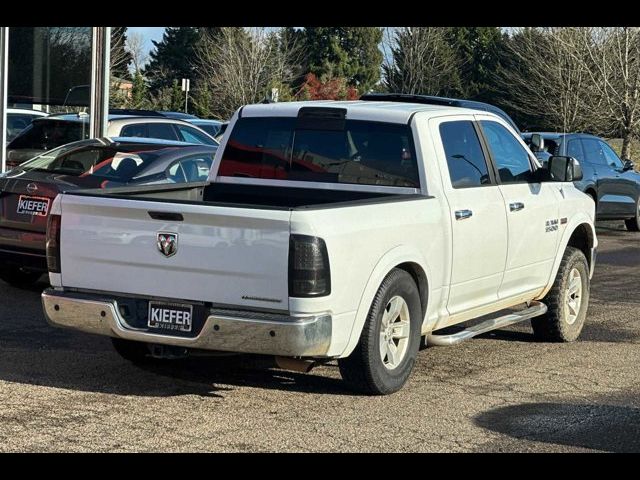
[610, 181]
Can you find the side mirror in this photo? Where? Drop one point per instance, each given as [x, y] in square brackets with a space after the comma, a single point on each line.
[564, 169]
[537, 142]
[627, 165]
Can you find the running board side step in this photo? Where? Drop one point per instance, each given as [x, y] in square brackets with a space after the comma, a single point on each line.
[534, 309]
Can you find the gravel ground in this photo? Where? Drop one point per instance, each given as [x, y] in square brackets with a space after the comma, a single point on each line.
[67, 391]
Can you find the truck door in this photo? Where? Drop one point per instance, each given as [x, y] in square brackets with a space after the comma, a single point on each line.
[531, 208]
[477, 215]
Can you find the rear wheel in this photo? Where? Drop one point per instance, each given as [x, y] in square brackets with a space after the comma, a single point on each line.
[18, 277]
[384, 357]
[567, 301]
[633, 224]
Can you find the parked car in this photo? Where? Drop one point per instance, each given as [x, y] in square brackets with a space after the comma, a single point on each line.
[212, 127]
[26, 191]
[152, 113]
[223, 128]
[610, 181]
[444, 101]
[355, 231]
[18, 119]
[55, 130]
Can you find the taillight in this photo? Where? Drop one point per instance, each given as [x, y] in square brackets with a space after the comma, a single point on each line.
[53, 243]
[309, 274]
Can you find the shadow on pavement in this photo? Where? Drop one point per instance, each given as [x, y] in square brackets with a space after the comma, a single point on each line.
[603, 427]
[33, 352]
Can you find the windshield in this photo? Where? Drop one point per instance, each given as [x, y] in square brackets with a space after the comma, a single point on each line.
[121, 164]
[363, 152]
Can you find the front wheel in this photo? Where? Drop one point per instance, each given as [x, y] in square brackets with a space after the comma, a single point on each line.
[567, 301]
[384, 357]
[633, 224]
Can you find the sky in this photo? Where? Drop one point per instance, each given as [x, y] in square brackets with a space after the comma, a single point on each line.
[148, 33]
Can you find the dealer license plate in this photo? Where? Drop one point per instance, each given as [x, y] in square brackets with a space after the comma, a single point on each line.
[170, 316]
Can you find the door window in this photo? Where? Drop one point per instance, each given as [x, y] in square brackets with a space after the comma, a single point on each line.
[134, 130]
[612, 159]
[574, 149]
[510, 157]
[162, 130]
[593, 152]
[465, 159]
[191, 135]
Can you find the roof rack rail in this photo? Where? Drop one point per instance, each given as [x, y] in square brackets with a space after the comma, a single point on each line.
[134, 111]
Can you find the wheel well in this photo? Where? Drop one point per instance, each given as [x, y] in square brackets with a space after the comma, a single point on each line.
[420, 278]
[592, 193]
[582, 239]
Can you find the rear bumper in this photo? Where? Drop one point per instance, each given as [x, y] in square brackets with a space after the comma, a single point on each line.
[230, 331]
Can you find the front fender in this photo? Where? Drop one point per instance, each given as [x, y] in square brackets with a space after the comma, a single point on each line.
[576, 220]
[390, 260]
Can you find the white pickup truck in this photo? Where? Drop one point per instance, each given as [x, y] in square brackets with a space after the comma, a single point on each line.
[355, 231]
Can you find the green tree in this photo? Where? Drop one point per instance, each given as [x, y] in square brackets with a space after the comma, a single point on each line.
[349, 52]
[478, 50]
[172, 57]
[139, 92]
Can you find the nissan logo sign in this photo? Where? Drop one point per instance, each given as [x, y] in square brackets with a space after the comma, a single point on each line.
[32, 187]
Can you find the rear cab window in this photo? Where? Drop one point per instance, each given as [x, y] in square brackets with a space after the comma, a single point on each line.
[359, 152]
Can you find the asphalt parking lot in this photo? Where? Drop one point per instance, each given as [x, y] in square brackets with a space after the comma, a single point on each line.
[65, 391]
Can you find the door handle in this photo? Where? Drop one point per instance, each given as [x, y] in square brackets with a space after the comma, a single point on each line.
[516, 206]
[166, 216]
[463, 214]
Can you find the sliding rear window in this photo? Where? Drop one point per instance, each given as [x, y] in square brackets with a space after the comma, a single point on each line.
[363, 152]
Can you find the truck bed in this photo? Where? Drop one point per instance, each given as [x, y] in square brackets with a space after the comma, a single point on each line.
[249, 196]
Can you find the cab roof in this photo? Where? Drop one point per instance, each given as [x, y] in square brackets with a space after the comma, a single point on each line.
[393, 112]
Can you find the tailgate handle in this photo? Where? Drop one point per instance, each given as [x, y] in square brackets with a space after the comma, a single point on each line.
[168, 216]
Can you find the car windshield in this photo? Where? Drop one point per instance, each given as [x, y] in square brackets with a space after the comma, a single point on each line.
[121, 164]
[48, 134]
[361, 152]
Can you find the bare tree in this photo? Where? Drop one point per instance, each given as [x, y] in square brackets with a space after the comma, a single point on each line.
[418, 60]
[549, 77]
[135, 46]
[613, 61]
[237, 66]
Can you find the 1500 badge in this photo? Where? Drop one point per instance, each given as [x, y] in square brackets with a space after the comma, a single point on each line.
[38, 206]
[551, 225]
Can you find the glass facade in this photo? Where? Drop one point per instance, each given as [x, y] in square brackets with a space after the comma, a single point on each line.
[53, 69]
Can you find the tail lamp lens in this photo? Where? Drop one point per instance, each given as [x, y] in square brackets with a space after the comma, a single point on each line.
[53, 243]
[309, 274]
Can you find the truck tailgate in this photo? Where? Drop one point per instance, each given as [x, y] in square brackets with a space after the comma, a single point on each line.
[224, 255]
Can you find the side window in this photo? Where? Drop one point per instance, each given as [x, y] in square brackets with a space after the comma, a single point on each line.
[191, 135]
[611, 157]
[511, 158]
[192, 169]
[592, 152]
[162, 130]
[574, 149]
[134, 130]
[466, 162]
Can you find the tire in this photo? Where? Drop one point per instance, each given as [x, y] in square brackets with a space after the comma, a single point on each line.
[633, 224]
[564, 320]
[370, 369]
[135, 352]
[18, 277]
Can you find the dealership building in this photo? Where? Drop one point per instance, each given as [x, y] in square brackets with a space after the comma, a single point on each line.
[54, 69]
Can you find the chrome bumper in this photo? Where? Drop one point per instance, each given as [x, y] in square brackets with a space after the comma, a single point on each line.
[236, 332]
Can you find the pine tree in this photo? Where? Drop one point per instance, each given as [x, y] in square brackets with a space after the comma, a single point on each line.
[351, 53]
[173, 57]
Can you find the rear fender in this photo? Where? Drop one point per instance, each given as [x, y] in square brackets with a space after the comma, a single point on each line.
[394, 257]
